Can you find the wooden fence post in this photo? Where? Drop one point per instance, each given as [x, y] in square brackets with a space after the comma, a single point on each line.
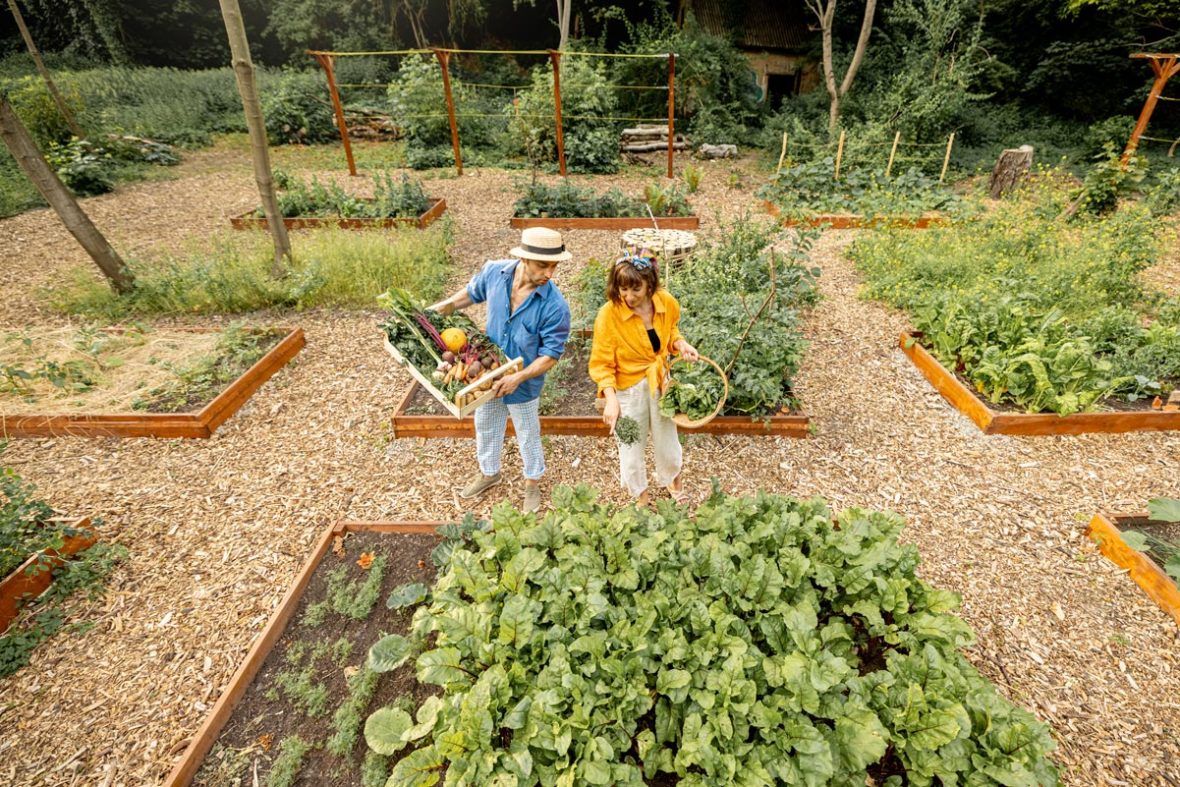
[444, 58]
[892, 153]
[839, 153]
[671, 109]
[946, 160]
[782, 155]
[325, 62]
[555, 56]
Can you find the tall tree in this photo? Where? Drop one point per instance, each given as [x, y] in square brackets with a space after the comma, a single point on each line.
[75, 129]
[825, 11]
[33, 164]
[244, 71]
[564, 15]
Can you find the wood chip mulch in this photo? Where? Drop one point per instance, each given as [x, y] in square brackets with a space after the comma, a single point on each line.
[217, 528]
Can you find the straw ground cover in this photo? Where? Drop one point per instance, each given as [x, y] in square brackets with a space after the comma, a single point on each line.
[218, 529]
[94, 370]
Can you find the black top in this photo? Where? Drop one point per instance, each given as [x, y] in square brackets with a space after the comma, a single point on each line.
[655, 339]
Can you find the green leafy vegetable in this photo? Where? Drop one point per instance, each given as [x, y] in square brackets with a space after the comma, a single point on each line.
[627, 430]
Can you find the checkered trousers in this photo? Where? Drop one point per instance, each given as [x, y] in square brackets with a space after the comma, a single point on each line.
[491, 421]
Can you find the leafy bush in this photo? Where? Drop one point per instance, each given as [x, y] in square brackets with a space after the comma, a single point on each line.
[298, 109]
[567, 200]
[418, 101]
[30, 100]
[89, 167]
[395, 199]
[24, 528]
[762, 641]
[809, 189]
[1033, 311]
[591, 145]
[225, 275]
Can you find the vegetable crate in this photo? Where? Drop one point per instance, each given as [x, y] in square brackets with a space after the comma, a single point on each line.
[466, 399]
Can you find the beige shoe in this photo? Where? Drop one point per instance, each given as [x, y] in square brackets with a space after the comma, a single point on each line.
[532, 498]
[480, 484]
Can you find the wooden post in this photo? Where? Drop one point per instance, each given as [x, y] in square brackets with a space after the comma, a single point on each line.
[782, 155]
[671, 109]
[325, 62]
[444, 58]
[29, 158]
[839, 153]
[892, 153]
[555, 56]
[1165, 67]
[946, 160]
[44, 72]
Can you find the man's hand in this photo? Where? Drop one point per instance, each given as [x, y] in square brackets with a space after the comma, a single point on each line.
[507, 384]
[442, 307]
[687, 351]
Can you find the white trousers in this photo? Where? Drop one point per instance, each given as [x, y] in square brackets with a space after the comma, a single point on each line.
[638, 403]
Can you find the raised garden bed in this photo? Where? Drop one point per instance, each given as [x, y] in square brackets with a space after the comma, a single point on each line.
[245, 720]
[21, 584]
[611, 223]
[1106, 530]
[201, 423]
[249, 221]
[849, 221]
[993, 421]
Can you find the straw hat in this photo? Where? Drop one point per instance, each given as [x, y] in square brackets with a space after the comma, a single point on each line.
[541, 243]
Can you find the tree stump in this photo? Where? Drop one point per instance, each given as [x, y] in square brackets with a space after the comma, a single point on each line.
[1011, 168]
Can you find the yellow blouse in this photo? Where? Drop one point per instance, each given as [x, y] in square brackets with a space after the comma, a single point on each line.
[621, 353]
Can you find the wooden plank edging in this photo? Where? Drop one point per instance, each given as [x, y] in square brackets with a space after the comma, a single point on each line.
[189, 425]
[436, 208]
[852, 221]
[202, 741]
[1143, 570]
[607, 223]
[431, 426]
[1029, 424]
[19, 584]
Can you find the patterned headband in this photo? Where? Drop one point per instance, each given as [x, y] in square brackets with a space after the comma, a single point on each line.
[640, 260]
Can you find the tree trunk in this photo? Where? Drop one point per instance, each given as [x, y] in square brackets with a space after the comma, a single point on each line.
[44, 72]
[24, 150]
[825, 13]
[244, 71]
[1011, 168]
[563, 22]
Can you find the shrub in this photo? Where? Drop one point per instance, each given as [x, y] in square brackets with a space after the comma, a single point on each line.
[298, 109]
[418, 101]
[30, 100]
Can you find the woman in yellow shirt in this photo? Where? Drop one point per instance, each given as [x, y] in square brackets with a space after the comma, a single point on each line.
[634, 332]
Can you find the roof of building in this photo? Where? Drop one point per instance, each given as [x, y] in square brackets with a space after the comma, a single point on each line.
[756, 24]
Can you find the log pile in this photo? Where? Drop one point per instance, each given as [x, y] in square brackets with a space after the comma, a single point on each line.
[649, 139]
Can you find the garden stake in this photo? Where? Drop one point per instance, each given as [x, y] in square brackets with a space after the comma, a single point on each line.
[839, 153]
[325, 62]
[444, 58]
[671, 108]
[555, 56]
[947, 158]
[782, 155]
[892, 153]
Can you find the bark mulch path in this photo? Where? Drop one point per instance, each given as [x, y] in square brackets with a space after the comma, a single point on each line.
[218, 528]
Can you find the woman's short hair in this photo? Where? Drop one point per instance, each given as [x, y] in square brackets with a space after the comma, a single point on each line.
[633, 270]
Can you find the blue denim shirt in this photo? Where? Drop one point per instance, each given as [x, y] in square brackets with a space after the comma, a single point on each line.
[539, 326]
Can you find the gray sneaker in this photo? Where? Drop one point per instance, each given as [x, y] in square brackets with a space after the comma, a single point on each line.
[532, 498]
[480, 484]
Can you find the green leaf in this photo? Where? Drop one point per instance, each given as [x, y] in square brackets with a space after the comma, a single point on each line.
[1135, 540]
[389, 653]
[442, 667]
[384, 730]
[672, 679]
[1172, 567]
[860, 739]
[1165, 509]
[406, 596]
[421, 768]
[427, 718]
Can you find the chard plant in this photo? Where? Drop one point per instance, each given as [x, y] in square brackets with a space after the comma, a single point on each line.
[761, 641]
[809, 189]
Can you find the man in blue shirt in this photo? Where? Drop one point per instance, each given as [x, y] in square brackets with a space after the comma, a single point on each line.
[527, 318]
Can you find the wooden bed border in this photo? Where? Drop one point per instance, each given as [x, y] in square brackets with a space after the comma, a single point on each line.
[199, 424]
[611, 223]
[18, 584]
[202, 741]
[852, 221]
[406, 425]
[247, 221]
[1029, 424]
[1105, 531]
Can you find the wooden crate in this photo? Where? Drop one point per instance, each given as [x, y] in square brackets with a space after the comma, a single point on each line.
[468, 407]
[19, 584]
[1106, 531]
[248, 221]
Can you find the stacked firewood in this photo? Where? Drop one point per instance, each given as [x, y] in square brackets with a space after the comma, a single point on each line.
[649, 139]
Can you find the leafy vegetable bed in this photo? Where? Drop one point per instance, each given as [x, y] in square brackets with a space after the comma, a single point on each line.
[567, 206]
[762, 641]
[317, 205]
[1033, 309]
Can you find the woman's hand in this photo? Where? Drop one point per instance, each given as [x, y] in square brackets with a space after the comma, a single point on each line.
[686, 351]
[610, 412]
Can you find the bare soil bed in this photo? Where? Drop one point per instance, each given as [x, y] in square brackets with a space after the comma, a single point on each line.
[217, 528]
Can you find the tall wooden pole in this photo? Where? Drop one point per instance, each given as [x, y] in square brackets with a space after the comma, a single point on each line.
[839, 153]
[239, 49]
[325, 62]
[29, 158]
[75, 129]
[1165, 67]
[782, 155]
[892, 154]
[671, 109]
[555, 56]
[444, 58]
[946, 160]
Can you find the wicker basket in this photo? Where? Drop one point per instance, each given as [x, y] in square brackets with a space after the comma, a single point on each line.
[682, 420]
